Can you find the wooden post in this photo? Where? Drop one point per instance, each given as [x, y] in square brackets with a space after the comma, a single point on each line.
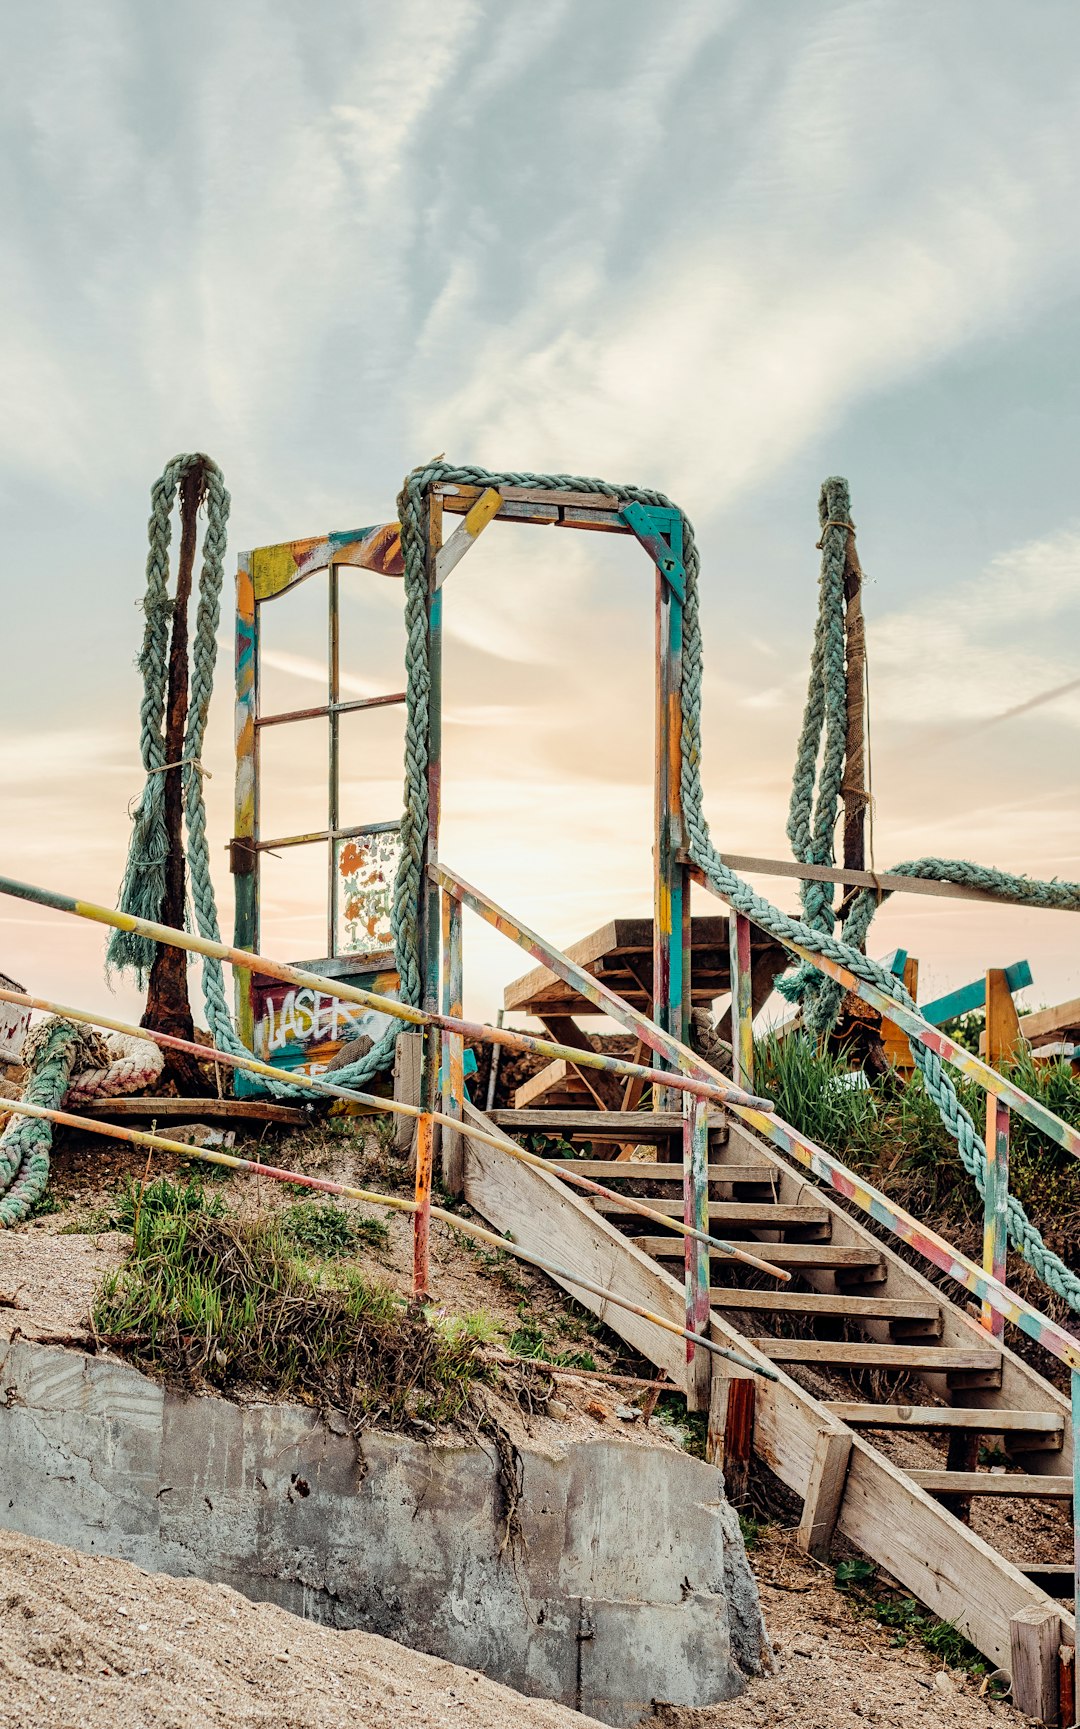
[429, 910]
[742, 1007]
[730, 1440]
[696, 1214]
[243, 858]
[824, 1491]
[425, 1158]
[1034, 1641]
[1076, 1487]
[168, 1009]
[671, 946]
[1003, 1035]
[996, 1203]
[453, 1047]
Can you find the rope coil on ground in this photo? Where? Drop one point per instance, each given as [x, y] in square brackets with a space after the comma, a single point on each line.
[65, 1064]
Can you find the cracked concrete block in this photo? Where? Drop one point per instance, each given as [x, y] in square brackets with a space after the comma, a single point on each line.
[629, 1582]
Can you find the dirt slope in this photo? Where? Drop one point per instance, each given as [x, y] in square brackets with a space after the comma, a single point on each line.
[86, 1641]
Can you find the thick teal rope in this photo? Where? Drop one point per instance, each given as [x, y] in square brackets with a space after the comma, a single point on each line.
[143, 889]
[52, 1053]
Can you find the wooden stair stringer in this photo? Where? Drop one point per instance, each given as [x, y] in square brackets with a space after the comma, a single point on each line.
[1022, 1387]
[943, 1563]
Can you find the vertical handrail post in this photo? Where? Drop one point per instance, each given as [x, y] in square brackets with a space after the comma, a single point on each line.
[671, 902]
[1076, 1484]
[695, 1114]
[996, 1203]
[742, 1002]
[453, 1047]
[425, 1158]
[428, 911]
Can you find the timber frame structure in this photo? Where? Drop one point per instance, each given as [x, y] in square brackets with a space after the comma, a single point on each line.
[269, 572]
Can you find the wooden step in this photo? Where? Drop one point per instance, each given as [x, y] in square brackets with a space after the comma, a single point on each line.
[594, 1125]
[994, 1483]
[815, 1303]
[851, 1256]
[1047, 1426]
[760, 1215]
[184, 1111]
[663, 1171]
[857, 1354]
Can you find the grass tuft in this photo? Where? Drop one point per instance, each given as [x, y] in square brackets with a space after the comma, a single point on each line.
[229, 1304]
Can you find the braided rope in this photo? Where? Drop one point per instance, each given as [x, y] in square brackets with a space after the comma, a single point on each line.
[55, 1052]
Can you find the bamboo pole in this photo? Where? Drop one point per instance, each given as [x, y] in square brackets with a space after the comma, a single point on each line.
[397, 1107]
[397, 1203]
[719, 1090]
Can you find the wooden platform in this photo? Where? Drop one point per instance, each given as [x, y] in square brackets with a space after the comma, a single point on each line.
[620, 953]
[211, 1110]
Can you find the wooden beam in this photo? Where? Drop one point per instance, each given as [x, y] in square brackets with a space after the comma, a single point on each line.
[984, 1421]
[1045, 1023]
[918, 1359]
[824, 1491]
[760, 1215]
[464, 536]
[825, 1303]
[663, 1171]
[1036, 1488]
[887, 881]
[1002, 1040]
[173, 1110]
[605, 1088]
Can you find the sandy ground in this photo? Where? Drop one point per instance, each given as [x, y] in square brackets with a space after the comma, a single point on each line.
[87, 1640]
[837, 1669]
[90, 1641]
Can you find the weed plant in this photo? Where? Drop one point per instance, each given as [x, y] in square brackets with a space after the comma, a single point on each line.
[905, 1618]
[892, 1133]
[215, 1301]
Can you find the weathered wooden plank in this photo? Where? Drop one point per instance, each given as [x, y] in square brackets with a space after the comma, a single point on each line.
[174, 1110]
[989, 1420]
[593, 1125]
[662, 1171]
[558, 1077]
[951, 1569]
[824, 1491]
[729, 1442]
[761, 1215]
[931, 1359]
[831, 1256]
[1046, 1024]
[465, 535]
[458, 498]
[887, 880]
[819, 1303]
[1030, 1484]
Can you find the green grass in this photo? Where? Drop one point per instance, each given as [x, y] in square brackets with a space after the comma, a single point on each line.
[893, 1134]
[329, 1232]
[905, 1618]
[531, 1338]
[214, 1301]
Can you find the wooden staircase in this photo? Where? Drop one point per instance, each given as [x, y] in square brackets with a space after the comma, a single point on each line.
[898, 1418]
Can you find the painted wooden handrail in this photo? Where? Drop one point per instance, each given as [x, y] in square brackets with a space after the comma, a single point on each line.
[787, 1139]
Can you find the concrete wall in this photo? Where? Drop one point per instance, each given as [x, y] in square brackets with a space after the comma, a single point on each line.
[631, 1585]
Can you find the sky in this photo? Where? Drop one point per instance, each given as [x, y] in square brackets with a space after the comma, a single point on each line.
[721, 249]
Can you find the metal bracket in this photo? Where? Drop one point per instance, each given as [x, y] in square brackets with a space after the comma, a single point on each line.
[652, 526]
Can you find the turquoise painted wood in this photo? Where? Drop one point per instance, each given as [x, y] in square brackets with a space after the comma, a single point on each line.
[972, 996]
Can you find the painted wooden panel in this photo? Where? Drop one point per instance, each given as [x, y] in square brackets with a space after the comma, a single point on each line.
[300, 1028]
